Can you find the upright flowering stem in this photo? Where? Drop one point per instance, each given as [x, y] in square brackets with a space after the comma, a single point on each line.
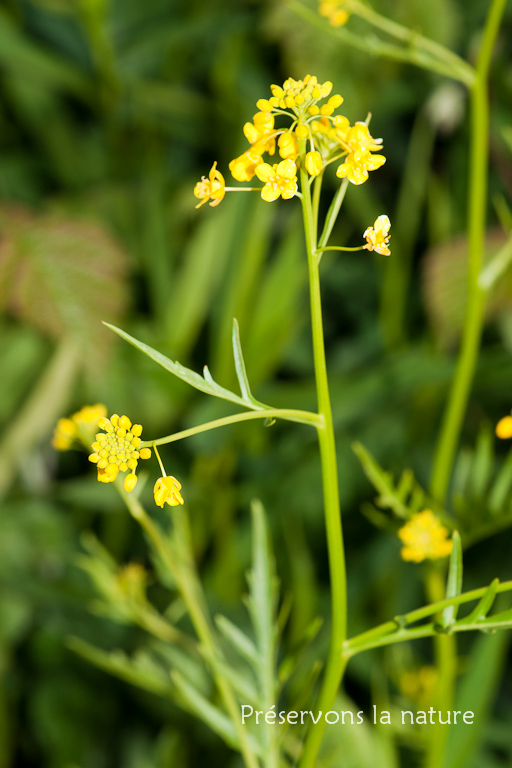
[453, 418]
[335, 662]
[466, 364]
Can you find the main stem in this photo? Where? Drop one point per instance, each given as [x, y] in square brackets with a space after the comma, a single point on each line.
[472, 334]
[466, 364]
[335, 661]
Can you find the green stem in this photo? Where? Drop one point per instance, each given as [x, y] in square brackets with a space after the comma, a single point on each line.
[374, 46]
[381, 635]
[339, 248]
[190, 590]
[317, 188]
[466, 363]
[445, 647]
[335, 661]
[414, 40]
[301, 417]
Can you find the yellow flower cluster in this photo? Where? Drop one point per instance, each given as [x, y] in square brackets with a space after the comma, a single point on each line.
[424, 537]
[331, 137]
[79, 427]
[377, 237]
[117, 449]
[334, 12]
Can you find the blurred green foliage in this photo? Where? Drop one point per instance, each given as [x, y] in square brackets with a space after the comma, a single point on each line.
[109, 113]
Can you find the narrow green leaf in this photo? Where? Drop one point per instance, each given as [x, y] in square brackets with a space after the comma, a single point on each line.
[476, 693]
[240, 367]
[140, 671]
[484, 606]
[238, 639]
[204, 384]
[199, 706]
[454, 582]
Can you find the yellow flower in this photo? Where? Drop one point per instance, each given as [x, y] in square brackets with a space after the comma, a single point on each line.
[89, 415]
[261, 134]
[313, 163]
[64, 435]
[167, 490]
[360, 145]
[377, 238]
[333, 11]
[78, 428]
[213, 187]
[504, 428]
[424, 537]
[357, 137]
[244, 167]
[280, 180]
[288, 147]
[117, 449]
[357, 164]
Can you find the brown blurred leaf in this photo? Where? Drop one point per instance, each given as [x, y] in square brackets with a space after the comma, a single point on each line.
[445, 287]
[63, 276]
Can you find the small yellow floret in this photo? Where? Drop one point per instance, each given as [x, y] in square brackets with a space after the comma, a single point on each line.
[280, 180]
[424, 536]
[244, 167]
[504, 428]
[64, 435]
[302, 131]
[213, 187]
[145, 453]
[260, 134]
[333, 12]
[313, 163]
[377, 238]
[167, 490]
[130, 482]
[288, 147]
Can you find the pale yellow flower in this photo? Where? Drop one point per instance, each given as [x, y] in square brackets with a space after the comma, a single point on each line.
[357, 164]
[377, 237]
[334, 12]
[424, 537]
[167, 491]
[64, 435]
[280, 180]
[244, 167]
[213, 187]
[261, 134]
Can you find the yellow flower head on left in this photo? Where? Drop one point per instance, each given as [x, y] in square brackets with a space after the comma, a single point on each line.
[79, 428]
[424, 537]
[280, 180]
[213, 187]
[377, 237]
[118, 449]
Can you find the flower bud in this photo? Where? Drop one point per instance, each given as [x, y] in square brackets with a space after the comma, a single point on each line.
[313, 163]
